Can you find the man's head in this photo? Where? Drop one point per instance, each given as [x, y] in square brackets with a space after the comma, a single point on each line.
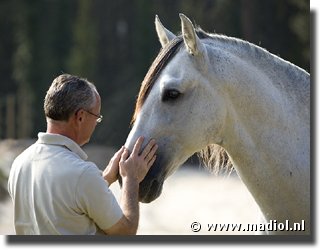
[72, 107]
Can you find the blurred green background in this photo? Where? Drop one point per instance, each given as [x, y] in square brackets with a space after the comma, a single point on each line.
[112, 43]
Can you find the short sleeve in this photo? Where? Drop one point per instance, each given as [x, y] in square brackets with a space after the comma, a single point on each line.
[95, 199]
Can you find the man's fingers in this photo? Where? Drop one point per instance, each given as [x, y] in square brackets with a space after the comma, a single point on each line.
[148, 149]
[137, 146]
[124, 155]
[116, 157]
[151, 153]
[150, 163]
[118, 154]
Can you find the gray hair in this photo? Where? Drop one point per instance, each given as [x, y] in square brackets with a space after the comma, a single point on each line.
[66, 95]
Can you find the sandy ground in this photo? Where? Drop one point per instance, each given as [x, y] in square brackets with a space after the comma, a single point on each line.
[190, 195]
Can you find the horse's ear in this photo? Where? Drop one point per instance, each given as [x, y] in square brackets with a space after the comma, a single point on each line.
[191, 40]
[165, 36]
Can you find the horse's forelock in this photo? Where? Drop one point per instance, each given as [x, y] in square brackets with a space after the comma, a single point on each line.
[158, 64]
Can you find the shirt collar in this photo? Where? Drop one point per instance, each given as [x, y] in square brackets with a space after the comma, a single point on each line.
[56, 139]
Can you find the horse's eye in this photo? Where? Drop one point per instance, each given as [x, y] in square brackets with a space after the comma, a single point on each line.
[170, 95]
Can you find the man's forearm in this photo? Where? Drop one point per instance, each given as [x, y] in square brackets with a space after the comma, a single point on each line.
[130, 202]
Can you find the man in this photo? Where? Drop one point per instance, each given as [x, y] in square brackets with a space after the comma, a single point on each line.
[53, 188]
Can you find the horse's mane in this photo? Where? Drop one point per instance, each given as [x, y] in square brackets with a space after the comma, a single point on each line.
[213, 156]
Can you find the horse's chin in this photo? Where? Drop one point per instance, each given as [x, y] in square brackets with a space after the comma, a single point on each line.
[149, 191]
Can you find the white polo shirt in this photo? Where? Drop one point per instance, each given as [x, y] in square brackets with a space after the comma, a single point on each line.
[55, 191]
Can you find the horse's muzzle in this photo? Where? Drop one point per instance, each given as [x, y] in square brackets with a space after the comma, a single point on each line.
[151, 186]
[150, 191]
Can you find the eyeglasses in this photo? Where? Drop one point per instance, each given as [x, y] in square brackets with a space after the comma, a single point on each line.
[99, 117]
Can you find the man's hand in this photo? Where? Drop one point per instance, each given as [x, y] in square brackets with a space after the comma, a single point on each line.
[132, 168]
[137, 165]
[110, 174]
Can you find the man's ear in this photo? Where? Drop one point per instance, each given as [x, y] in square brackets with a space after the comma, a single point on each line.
[78, 115]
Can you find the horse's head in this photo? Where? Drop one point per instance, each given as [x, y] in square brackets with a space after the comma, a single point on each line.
[175, 105]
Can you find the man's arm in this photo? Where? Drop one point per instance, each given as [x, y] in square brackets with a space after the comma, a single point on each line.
[132, 169]
[129, 204]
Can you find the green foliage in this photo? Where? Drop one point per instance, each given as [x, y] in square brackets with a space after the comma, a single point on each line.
[82, 60]
[112, 43]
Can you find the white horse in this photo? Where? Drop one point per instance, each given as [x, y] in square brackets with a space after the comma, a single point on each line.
[205, 90]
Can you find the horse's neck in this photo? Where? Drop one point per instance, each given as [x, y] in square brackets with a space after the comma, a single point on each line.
[283, 75]
[267, 137]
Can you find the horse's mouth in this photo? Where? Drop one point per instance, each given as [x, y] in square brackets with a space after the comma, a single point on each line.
[151, 186]
[148, 192]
